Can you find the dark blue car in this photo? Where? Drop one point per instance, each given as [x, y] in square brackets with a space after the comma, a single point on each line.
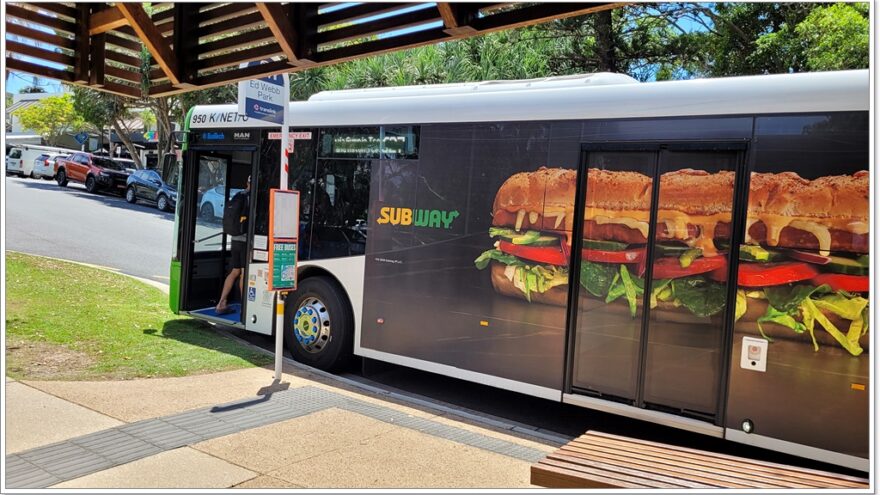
[147, 185]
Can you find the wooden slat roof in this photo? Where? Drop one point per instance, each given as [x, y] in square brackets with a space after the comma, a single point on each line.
[200, 45]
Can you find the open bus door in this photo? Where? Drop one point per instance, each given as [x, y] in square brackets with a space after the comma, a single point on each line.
[211, 177]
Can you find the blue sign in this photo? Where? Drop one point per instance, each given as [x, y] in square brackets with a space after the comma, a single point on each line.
[263, 111]
[81, 138]
[213, 136]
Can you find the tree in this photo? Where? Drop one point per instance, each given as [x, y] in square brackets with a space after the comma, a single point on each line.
[774, 38]
[836, 37]
[102, 110]
[51, 118]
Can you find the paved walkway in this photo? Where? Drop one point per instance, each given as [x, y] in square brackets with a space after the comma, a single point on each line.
[160, 433]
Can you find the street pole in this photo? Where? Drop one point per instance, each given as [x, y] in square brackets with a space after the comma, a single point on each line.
[279, 306]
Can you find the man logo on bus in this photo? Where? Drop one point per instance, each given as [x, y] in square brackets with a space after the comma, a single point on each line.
[420, 218]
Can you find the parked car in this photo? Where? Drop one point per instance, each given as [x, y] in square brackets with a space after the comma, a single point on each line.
[147, 185]
[212, 202]
[44, 165]
[20, 158]
[95, 172]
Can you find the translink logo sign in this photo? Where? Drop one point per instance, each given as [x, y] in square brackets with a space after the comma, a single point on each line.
[264, 98]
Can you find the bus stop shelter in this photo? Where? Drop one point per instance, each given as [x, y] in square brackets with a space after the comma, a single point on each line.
[193, 46]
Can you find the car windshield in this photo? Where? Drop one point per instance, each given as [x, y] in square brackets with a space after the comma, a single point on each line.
[106, 163]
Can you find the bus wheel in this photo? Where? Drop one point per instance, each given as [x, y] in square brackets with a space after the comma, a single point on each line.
[318, 325]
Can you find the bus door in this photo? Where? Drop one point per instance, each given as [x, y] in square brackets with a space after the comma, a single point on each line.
[211, 178]
[651, 314]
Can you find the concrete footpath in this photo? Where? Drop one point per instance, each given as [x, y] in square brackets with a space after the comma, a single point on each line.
[229, 430]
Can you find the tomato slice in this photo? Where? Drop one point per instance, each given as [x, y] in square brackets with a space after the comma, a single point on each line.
[849, 283]
[631, 256]
[769, 274]
[670, 267]
[552, 255]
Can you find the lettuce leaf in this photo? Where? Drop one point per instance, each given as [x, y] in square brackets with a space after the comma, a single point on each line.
[846, 307]
[630, 290]
[483, 260]
[597, 277]
[702, 297]
[741, 304]
[659, 290]
[848, 342]
[788, 298]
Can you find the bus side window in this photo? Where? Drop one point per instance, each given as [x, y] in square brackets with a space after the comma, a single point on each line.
[341, 202]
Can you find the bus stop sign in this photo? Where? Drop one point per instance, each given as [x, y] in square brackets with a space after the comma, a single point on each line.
[264, 98]
[283, 239]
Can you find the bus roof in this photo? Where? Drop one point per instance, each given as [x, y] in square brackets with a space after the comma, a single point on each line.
[578, 80]
[748, 95]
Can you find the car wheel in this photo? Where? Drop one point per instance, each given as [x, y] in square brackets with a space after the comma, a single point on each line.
[129, 195]
[91, 184]
[162, 203]
[32, 176]
[207, 212]
[61, 178]
[318, 324]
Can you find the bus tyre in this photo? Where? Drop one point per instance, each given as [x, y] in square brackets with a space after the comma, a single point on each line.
[61, 178]
[318, 325]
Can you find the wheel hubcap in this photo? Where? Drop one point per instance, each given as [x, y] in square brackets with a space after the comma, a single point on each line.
[311, 325]
[130, 195]
[162, 203]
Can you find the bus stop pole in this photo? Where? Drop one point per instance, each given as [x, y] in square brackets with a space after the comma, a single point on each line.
[279, 305]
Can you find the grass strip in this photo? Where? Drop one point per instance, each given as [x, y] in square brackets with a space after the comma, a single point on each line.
[66, 321]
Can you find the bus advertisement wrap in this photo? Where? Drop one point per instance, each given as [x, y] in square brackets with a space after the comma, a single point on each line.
[691, 253]
[472, 271]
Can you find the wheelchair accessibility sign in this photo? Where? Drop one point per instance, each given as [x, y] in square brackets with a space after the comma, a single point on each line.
[252, 293]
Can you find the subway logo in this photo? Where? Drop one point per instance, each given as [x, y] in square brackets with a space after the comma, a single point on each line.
[420, 218]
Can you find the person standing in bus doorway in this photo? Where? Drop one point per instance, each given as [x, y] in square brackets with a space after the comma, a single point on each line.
[235, 225]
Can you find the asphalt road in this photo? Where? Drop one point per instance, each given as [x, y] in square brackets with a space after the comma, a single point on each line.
[68, 222]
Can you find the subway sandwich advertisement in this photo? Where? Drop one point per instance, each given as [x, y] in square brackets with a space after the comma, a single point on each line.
[728, 285]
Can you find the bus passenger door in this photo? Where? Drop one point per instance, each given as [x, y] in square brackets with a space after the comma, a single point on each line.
[206, 248]
[652, 309]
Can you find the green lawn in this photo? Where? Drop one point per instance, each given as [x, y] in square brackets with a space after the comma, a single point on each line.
[70, 322]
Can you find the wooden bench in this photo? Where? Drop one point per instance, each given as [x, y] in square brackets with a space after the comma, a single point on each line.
[601, 460]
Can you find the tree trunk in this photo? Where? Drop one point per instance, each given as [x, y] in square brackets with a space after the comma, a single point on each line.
[125, 136]
[605, 45]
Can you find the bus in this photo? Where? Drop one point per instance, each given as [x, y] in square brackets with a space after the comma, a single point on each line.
[690, 253]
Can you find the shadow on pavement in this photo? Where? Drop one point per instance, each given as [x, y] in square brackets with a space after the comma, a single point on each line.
[106, 198]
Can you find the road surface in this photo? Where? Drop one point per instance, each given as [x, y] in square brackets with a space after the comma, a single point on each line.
[68, 222]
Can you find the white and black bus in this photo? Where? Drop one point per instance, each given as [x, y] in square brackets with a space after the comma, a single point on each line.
[692, 253]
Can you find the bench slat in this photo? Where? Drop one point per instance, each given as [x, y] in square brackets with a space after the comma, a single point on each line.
[603, 460]
[662, 477]
[612, 477]
[556, 477]
[704, 474]
[767, 470]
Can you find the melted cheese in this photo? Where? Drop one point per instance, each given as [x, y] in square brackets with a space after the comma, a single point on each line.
[520, 216]
[676, 225]
[629, 222]
[821, 232]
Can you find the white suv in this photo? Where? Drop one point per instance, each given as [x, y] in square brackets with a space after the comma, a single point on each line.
[44, 165]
